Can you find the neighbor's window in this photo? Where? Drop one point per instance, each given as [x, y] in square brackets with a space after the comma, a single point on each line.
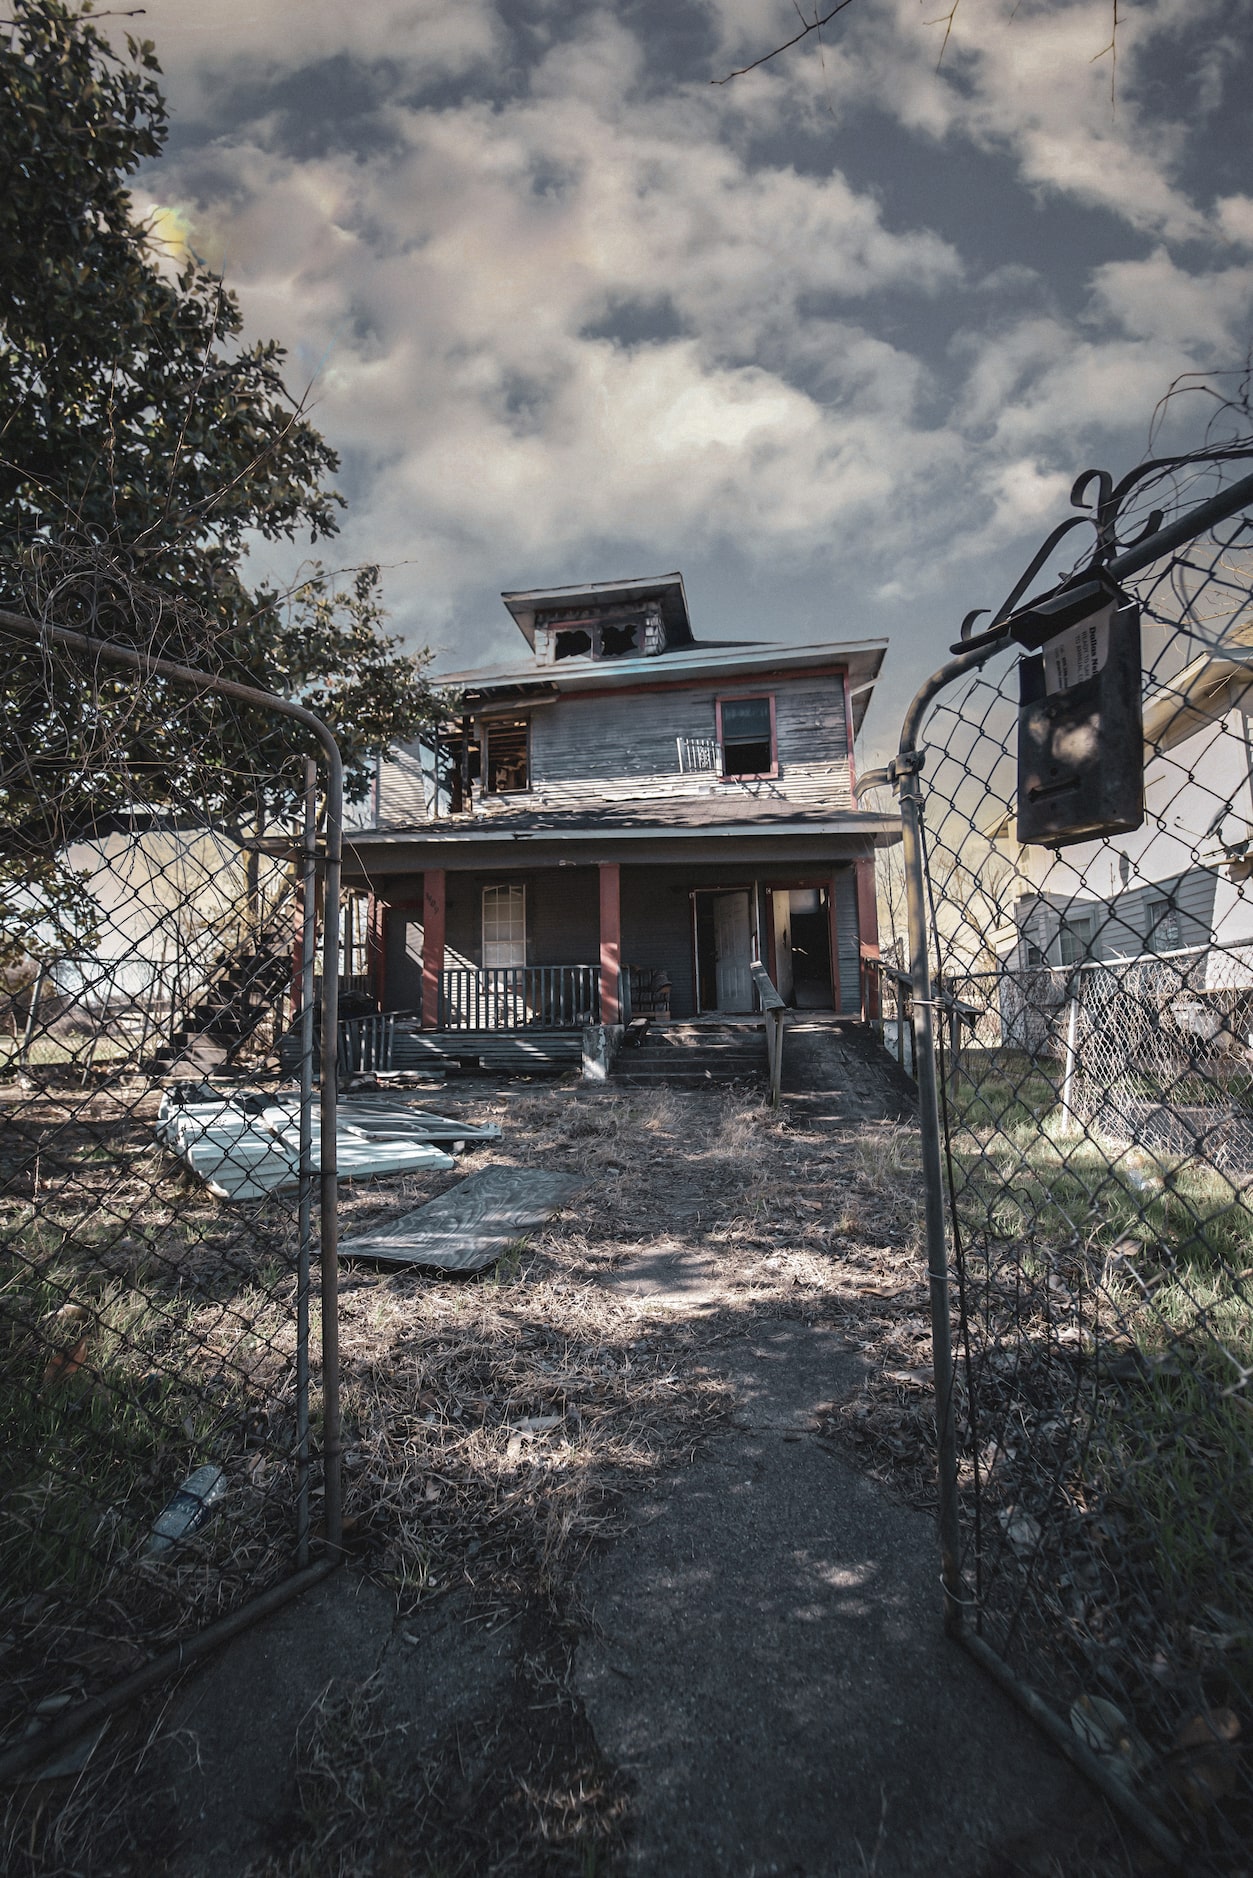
[1076, 937]
[506, 765]
[1165, 934]
[504, 926]
[746, 736]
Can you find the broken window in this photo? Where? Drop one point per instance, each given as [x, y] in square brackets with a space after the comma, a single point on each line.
[746, 735]
[615, 640]
[507, 766]
[504, 926]
[599, 639]
[573, 643]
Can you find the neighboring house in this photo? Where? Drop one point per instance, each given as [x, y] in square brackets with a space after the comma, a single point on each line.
[1180, 882]
[626, 813]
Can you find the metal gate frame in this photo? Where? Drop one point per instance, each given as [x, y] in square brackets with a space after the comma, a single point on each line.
[904, 773]
[36, 1749]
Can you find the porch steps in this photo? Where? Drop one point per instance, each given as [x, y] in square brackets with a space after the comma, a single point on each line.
[517, 1052]
[694, 1056]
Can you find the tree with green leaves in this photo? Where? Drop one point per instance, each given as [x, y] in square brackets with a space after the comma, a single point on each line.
[143, 444]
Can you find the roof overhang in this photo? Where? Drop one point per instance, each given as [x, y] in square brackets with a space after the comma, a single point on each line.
[465, 847]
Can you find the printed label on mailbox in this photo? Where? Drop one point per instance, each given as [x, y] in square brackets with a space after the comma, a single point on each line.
[1077, 653]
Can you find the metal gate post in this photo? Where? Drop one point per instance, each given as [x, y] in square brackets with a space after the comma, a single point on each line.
[933, 1181]
[328, 1210]
[308, 953]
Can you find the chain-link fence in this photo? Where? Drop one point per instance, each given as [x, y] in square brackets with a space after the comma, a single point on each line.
[169, 1448]
[1084, 1018]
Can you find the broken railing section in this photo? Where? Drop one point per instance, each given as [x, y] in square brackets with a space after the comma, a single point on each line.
[893, 992]
[892, 999]
[774, 1011]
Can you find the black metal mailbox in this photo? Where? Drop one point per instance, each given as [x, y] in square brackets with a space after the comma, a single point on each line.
[1080, 717]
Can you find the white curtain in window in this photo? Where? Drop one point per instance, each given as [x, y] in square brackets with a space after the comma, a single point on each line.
[504, 926]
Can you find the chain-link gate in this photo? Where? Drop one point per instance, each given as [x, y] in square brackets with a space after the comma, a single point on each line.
[1083, 1017]
[169, 1463]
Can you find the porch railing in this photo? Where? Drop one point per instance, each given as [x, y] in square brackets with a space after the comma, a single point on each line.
[774, 1011]
[518, 997]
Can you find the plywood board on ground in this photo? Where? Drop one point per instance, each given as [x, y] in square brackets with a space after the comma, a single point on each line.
[467, 1228]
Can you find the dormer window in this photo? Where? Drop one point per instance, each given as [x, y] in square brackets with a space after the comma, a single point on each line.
[599, 639]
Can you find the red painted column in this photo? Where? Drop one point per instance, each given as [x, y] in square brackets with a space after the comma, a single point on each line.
[610, 939]
[867, 905]
[432, 944]
[868, 929]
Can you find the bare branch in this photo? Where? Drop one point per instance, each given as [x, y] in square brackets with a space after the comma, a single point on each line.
[1112, 49]
[812, 26]
[946, 21]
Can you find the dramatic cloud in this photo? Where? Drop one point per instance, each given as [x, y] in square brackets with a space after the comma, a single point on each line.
[849, 324]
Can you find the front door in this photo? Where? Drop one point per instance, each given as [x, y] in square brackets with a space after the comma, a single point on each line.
[733, 951]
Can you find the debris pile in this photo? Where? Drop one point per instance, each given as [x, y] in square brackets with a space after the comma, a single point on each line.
[247, 1144]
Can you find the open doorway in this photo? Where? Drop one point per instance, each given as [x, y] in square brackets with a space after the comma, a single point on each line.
[725, 949]
[801, 929]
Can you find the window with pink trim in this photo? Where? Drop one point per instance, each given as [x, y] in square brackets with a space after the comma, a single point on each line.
[746, 736]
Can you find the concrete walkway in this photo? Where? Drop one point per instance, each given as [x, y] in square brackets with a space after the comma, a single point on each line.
[767, 1664]
[759, 1658]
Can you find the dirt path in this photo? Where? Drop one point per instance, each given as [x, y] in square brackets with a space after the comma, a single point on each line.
[623, 1602]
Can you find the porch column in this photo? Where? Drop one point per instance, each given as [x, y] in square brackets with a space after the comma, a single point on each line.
[432, 944]
[868, 928]
[833, 928]
[610, 939]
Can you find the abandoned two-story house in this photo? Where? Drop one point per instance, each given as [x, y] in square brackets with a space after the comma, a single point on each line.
[624, 818]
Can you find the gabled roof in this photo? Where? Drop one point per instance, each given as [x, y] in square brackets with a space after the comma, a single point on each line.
[666, 589]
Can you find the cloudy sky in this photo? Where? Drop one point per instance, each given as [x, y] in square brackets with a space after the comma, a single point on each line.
[833, 338]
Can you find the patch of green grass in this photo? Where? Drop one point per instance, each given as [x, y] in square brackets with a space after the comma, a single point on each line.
[1148, 1258]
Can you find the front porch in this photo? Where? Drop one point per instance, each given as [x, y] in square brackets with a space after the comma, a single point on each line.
[513, 936]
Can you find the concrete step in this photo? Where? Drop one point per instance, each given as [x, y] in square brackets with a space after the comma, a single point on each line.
[694, 1057]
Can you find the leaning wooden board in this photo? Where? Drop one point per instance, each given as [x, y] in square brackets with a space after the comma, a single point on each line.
[467, 1228]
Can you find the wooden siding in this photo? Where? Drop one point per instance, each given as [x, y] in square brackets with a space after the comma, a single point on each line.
[401, 796]
[657, 930]
[624, 746]
[849, 936]
[564, 918]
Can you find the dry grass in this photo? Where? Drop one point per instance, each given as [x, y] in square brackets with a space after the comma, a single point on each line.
[495, 1425]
